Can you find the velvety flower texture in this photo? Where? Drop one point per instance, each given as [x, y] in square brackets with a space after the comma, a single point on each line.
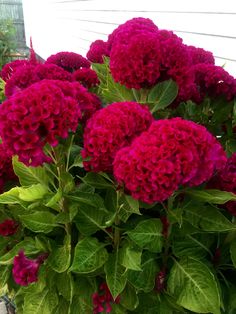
[10, 68]
[25, 270]
[30, 74]
[199, 55]
[97, 50]
[102, 300]
[8, 227]
[171, 153]
[226, 181]
[87, 77]
[6, 170]
[137, 63]
[69, 61]
[109, 130]
[35, 116]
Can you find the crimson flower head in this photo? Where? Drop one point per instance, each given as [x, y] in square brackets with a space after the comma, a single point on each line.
[25, 270]
[9, 69]
[6, 170]
[87, 77]
[69, 61]
[102, 300]
[38, 115]
[8, 227]
[97, 50]
[110, 129]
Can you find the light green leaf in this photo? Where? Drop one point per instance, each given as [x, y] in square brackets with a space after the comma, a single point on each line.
[81, 305]
[163, 94]
[194, 286]
[54, 200]
[32, 193]
[130, 257]
[28, 245]
[116, 276]
[40, 303]
[89, 256]
[212, 196]
[29, 175]
[59, 258]
[39, 221]
[97, 180]
[11, 197]
[62, 307]
[5, 272]
[145, 279]
[207, 218]
[233, 252]
[148, 235]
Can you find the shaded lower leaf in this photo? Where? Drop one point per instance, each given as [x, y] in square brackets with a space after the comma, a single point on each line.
[194, 286]
[129, 298]
[233, 252]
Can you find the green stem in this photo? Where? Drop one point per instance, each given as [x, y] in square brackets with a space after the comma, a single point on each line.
[116, 238]
[68, 152]
[143, 96]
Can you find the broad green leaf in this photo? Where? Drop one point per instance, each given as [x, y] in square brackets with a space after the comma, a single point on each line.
[116, 276]
[233, 252]
[63, 307]
[133, 204]
[29, 175]
[212, 196]
[96, 180]
[4, 276]
[32, 193]
[86, 198]
[89, 256]
[59, 258]
[149, 304]
[194, 286]
[129, 298]
[11, 197]
[36, 287]
[54, 200]
[65, 285]
[207, 218]
[40, 303]
[28, 245]
[148, 235]
[90, 219]
[39, 221]
[163, 94]
[145, 279]
[130, 257]
[81, 305]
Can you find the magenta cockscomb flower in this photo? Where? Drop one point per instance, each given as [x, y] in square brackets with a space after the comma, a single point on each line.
[97, 50]
[8, 227]
[171, 153]
[6, 170]
[9, 69]
[102, 300]
[25, 270]
[87, 77]
[69, 61]
[38, 115]
[109, 130]
[199, 55]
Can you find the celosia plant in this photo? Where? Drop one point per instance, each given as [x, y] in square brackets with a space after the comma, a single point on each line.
[118, 179]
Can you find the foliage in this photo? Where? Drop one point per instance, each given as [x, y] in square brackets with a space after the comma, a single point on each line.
[7, 41]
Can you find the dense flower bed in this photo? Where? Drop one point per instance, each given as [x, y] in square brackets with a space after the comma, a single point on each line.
[118, 178]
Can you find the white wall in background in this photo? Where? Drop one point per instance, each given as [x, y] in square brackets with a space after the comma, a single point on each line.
[71, 25]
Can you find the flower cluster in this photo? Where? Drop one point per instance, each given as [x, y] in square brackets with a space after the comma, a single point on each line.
[38, 115]
[171, 153]
[97, 50]
[69, 61]
[6, 169]
[87, 77]
[109, 130]
[8, 227]
[25, 270]
[11, 67]
[102, 300]
[226, 181]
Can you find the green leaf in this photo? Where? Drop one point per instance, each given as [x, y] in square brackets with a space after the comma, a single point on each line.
[40, 303]
[39, 221]
[148, 235]
[145, 279]
[11, 197]
[130, 257]
[207, 218]
[59, 258]
[163, 94]
[116, 276]
[54, 200]
[65, 285]
[194, 286]
[90, 219]
[96, 180]
[89, 256]
[233, 252]
[62, 307]
[28, 245]
[29, 175]
[81, 305]
[129, 298]
[212, 196]
[4, 276]
[32, 193]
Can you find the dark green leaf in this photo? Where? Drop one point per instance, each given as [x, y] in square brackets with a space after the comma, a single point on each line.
[65, 285]
[130, 257]
[233, 252]
[59, 258]
[89, 256]
[129, 298]
[148, 234]
[212, 196]
[194, 286]
[39, 221]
